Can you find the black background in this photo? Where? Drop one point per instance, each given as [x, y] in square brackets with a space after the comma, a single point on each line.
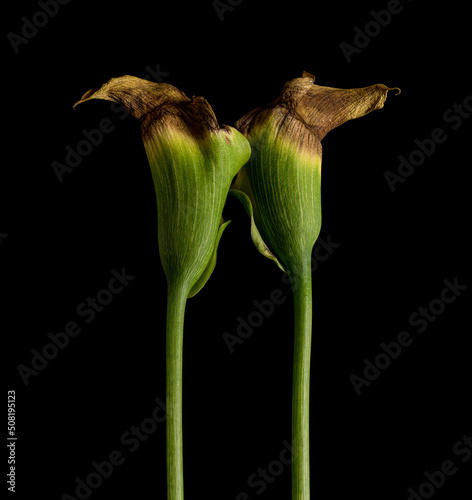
[395, 250]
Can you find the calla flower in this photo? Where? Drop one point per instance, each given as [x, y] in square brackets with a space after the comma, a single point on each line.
[281, 189]
[283, 177]
[193, 161]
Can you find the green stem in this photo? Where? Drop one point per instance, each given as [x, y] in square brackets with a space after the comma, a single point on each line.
[303, 304]
[176, 300]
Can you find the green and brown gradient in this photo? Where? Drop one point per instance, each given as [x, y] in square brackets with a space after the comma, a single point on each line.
[281, 189]
[193, 161]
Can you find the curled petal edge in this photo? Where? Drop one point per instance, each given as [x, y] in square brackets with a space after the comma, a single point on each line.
[205, 276]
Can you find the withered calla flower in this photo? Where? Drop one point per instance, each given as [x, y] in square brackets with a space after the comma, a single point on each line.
[281, 189]
[282, 178]
[193, 161]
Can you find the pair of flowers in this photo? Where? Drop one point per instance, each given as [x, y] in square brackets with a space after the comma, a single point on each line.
[271, 162]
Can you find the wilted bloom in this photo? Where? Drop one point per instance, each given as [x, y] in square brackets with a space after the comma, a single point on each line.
[193, 161]
[281, 189]
[283, 176]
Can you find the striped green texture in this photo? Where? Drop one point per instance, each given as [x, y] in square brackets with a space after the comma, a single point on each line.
[286, 185]
[192, 178]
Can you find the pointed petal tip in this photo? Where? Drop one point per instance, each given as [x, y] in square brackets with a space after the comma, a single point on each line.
[88, 95]
[384, 93]
[384, 87]
[388, 89]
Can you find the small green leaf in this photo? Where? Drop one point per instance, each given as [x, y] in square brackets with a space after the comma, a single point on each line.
[255, 235]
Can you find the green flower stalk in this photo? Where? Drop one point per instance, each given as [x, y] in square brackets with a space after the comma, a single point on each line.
[281, 189]
[193, 161]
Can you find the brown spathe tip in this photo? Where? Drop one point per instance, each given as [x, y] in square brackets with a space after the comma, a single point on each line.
[316, 109]
[157, 105]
